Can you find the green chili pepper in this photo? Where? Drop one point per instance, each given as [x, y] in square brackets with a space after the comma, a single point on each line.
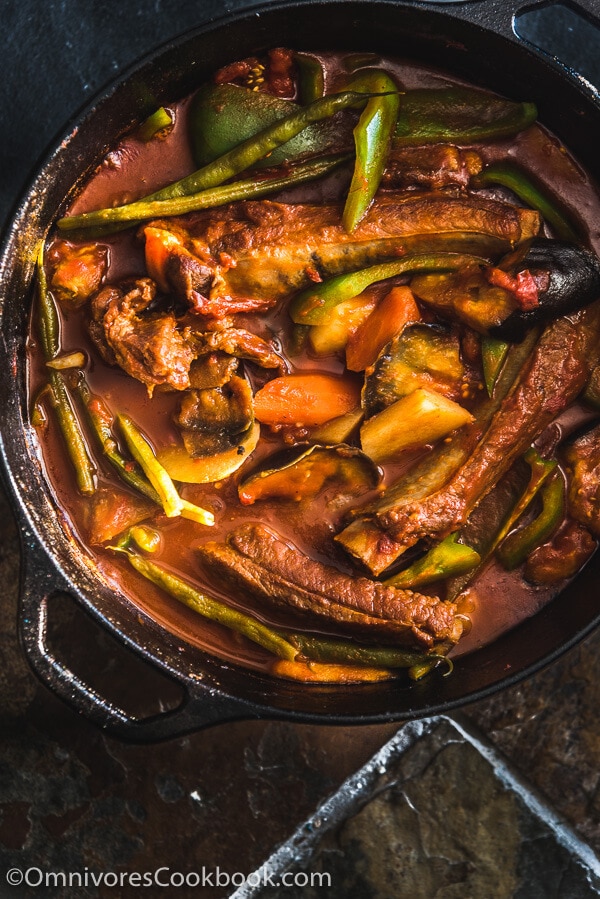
[311, 79]
[458, 115]
[520, 544]
[540, 471]
[448, 559]
[372, 138]
[511, 175]
[312, 305]
[155, 207]
[493, 356]
[60, 400]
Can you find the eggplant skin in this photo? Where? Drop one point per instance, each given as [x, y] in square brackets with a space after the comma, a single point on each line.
[574, 282]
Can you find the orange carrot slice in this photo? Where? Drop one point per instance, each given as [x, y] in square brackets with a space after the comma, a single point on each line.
[305, 399]
[396, 310]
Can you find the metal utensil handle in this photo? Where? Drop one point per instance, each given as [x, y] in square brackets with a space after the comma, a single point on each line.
[40, 581]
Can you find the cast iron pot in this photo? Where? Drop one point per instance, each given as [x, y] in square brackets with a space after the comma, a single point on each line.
[473, 40]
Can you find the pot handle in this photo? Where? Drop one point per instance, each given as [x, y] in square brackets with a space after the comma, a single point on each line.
[200, 707]
[499, 15]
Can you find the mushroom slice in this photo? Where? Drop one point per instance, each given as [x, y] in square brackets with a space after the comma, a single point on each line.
[208, 469]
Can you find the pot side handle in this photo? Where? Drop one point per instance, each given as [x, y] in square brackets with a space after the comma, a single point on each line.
[199, 708]
[500, 17]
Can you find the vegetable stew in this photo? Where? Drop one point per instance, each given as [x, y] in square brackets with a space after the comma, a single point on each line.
[314, 365]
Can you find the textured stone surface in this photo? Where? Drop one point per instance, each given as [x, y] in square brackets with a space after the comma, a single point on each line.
[441, 822]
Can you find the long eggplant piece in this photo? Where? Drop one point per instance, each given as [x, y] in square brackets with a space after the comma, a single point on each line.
[557, 372]
[264, 250]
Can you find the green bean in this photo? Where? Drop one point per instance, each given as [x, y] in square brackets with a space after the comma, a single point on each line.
[72, 435]
[173, 505]
[61, 402]
[328, 650]
[48, 322]
[211, 608]
[156, 206]
[146, 538]
[101, 422]
[312, 306]
[372, 140]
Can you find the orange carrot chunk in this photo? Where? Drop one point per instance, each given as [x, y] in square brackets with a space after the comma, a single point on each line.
[305, 400]
[396, 310]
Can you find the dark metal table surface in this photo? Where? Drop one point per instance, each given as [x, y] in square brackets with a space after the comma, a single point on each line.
[503, 800]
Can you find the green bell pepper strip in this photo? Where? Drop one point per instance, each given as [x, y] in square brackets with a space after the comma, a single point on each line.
[60, 400]
[372, 138]
[520, 544]
[493, 356]
[311, 81]
[312, 306]
[291, 646]
[458, 115]
[512, 176]
[448, 559]
[248, 189]
[540, 471]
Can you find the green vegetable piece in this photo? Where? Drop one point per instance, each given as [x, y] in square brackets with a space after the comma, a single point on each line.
[146, 538]
[305, 475]
[512, 176]
[493, 356]
[458, 115]
[101, 421]
[448, 559]
[311, 79]
[332, 651]
[251, 188]
[154, 124]
[173, 505]
[421, 356]
[540, 471]
[372, 138]
[312, 305]
[68, 422]
[520, 544]
[248, 152]
[223, 115]
[213, 609]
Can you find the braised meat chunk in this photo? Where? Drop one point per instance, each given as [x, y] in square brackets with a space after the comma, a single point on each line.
[260, 563]
[583, 464]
